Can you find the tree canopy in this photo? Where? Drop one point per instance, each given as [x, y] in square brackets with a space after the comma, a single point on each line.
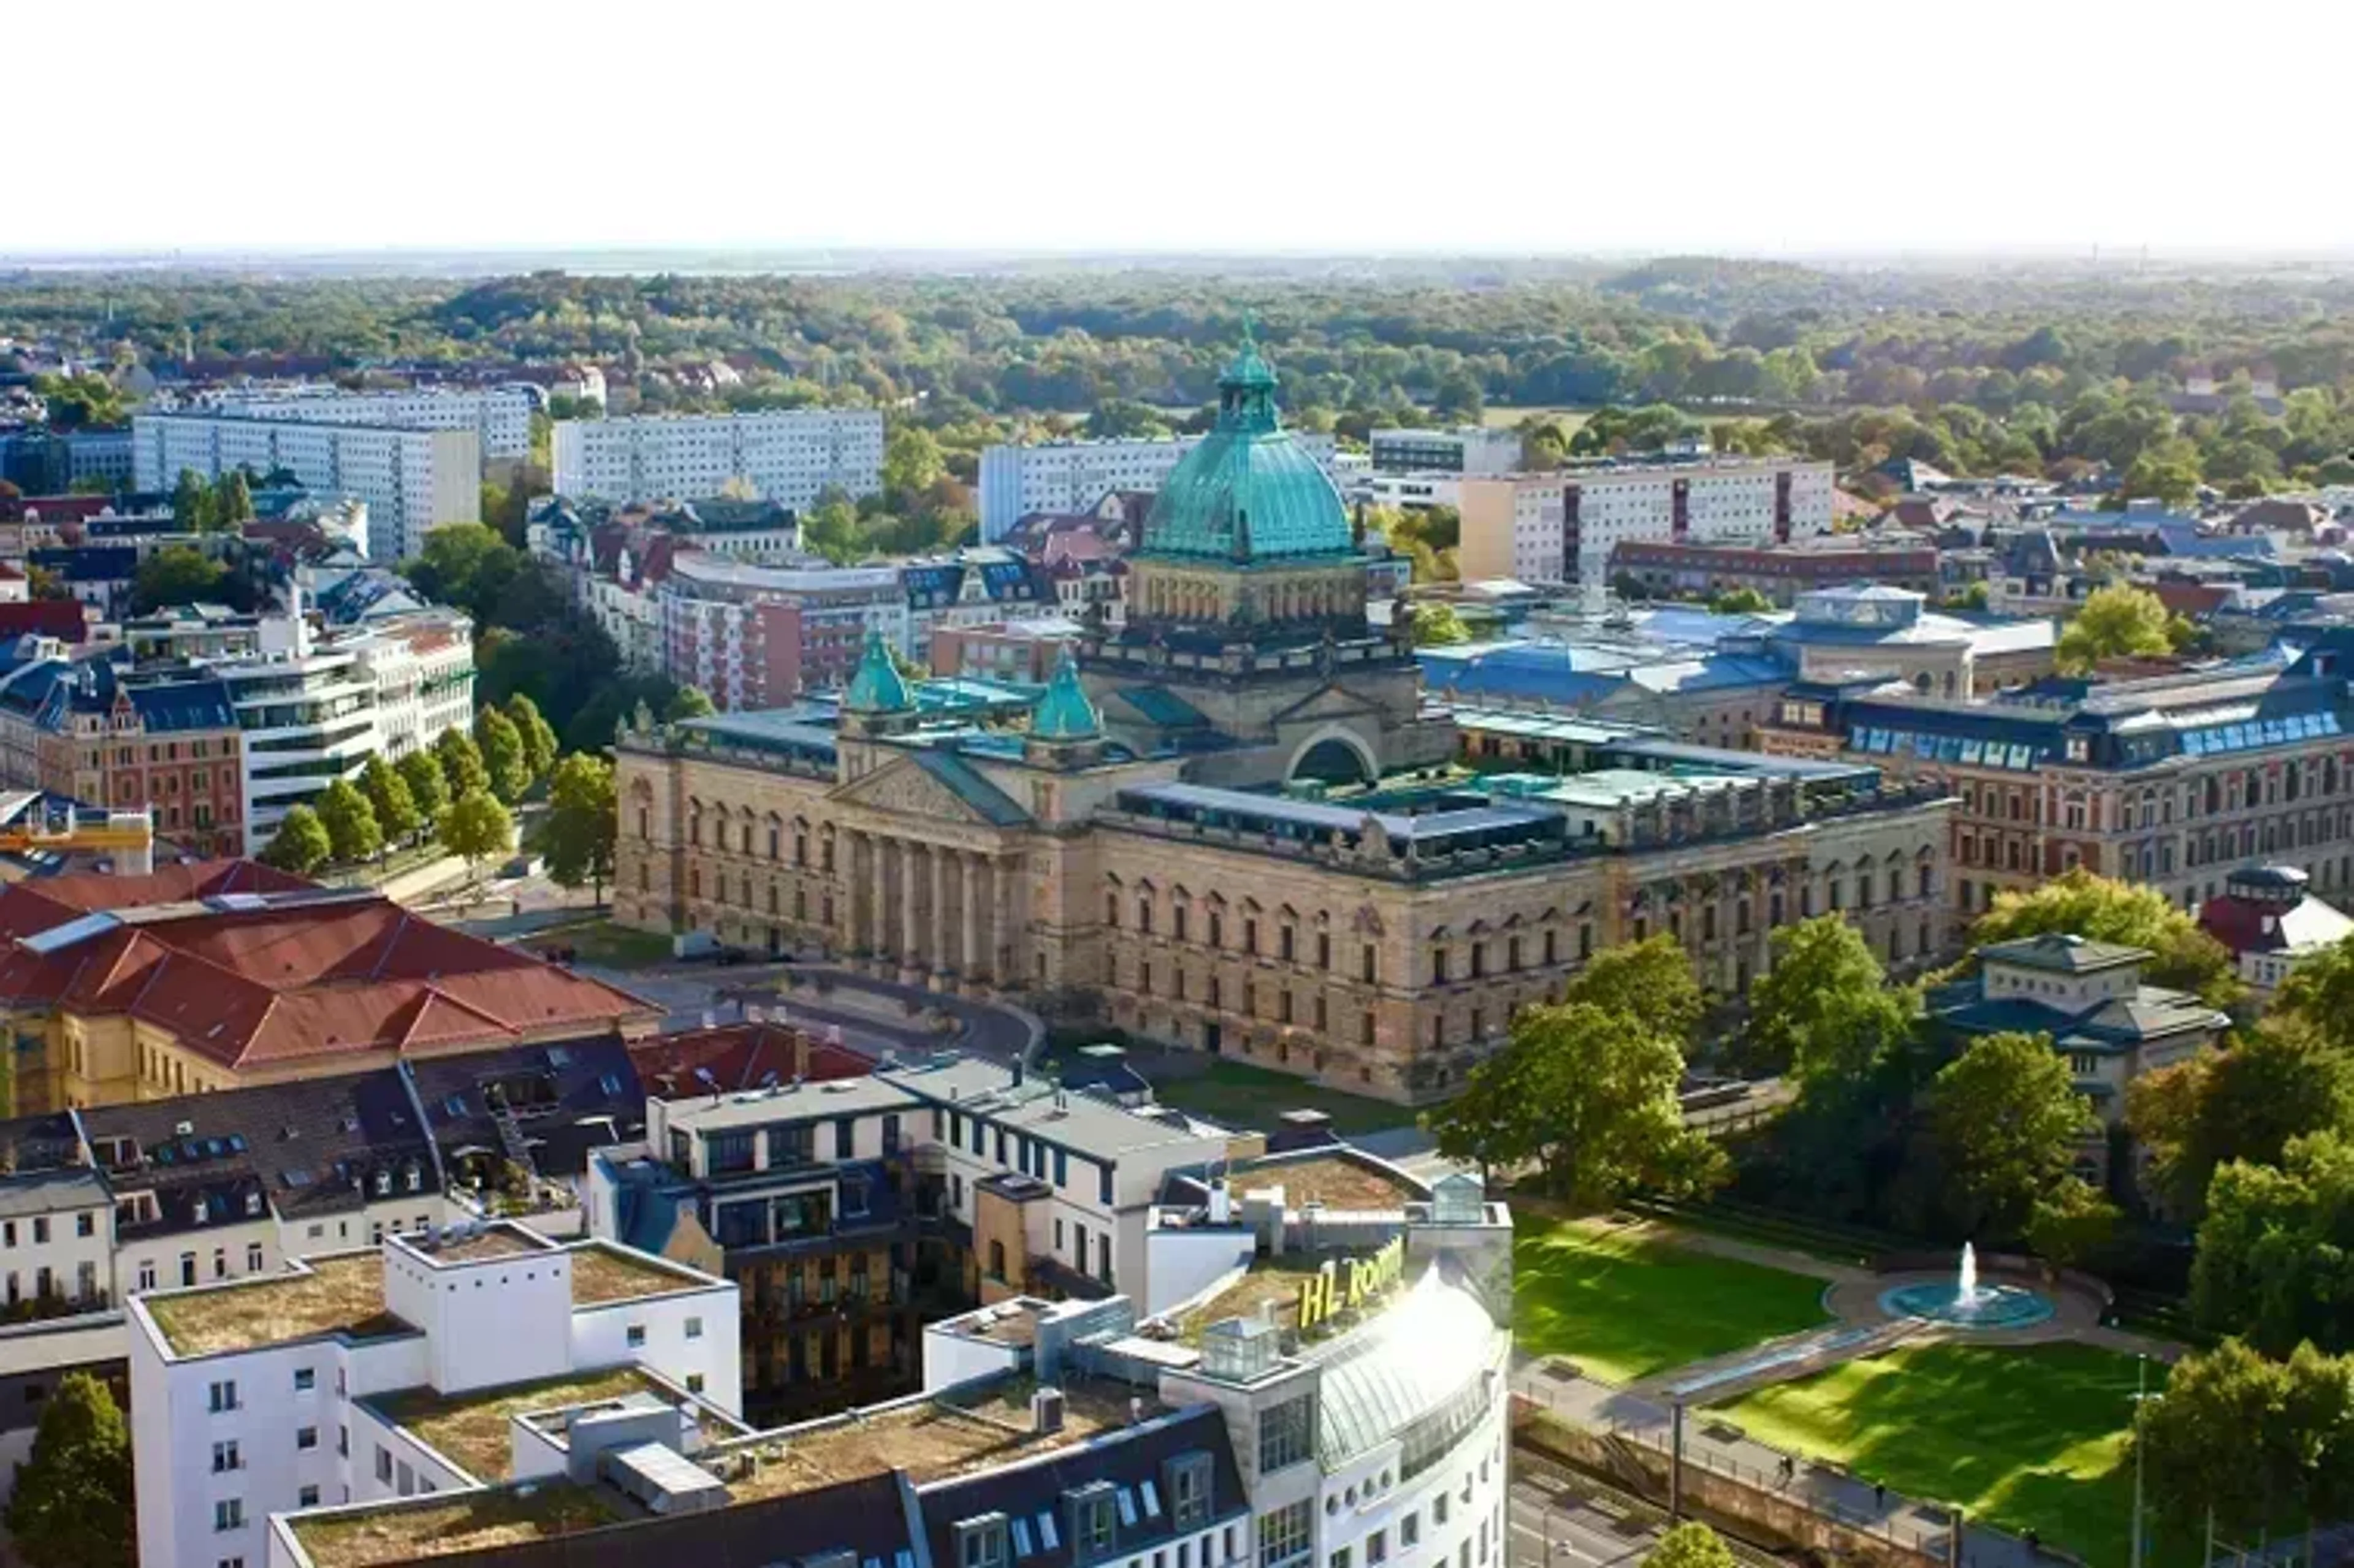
[73, 1505]
[581, 828]
[476, 827]
[462, 767]
[2271, 1249]
[2007, 1118]
[505, 763]
[352, 833]
[428, 785]
[2078, 903]
[2280, 1082]
[301, 844]
[1825, 1006]
[1691, 1544]
[2114, 623]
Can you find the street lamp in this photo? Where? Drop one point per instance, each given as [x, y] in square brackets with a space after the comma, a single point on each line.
[2142, 1397]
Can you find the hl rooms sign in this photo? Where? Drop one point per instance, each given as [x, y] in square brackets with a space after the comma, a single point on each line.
[1350, 1282]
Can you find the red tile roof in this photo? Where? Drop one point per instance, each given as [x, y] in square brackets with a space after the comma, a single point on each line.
[739, 1056]
[63, 618]
[300, 974]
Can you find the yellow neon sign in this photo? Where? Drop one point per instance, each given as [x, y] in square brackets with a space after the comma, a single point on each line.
[1329, 1290]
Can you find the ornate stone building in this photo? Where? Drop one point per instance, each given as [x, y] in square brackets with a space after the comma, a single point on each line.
[1234, 821]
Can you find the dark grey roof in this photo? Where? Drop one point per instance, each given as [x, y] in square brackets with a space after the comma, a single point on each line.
[1126, 1459]
[52, 1192]
[567, 1098]
[2063, 954]
[867, 1518]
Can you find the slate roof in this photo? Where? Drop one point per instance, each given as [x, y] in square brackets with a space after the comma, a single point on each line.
[1127, 1458]
[52, 1192]
[2063, 954]
[567, 1098]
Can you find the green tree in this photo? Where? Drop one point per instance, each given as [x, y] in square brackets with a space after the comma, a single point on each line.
[1691, 1544]
[688, 703]
[192, 502]
[912, 462]
[538, 739]
[428, 785]
[1435, 625]
[2283, 1081]
[77, 402]
[1588, 1095]
[353, 834]
[461, 764]
[502, 754]
[582, 823]
[2116, 622]
[2079, 904]
[1824, 1007]
[232, 500]
[2200, 1445]
[1739, 602]
[1649, 983]
[2319, 991]
[2271, 1263]
[831, 529]
[389, 797]
[476, 827]
[2168, 472]
[467, 565]
[2007, 1119]
[301, 844]
[2071, 1222]
[177, 574]
[73, 1506]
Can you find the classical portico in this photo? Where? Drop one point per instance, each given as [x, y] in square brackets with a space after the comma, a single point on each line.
[929, 912]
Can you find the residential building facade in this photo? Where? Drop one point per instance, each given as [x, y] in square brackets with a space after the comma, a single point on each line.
[1668, 570]
[1476, 449]
[412, 480]
[500, 417]
[789, 456]
[1560, 527]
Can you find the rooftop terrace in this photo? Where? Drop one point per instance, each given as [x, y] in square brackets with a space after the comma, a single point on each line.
[471, 1429]
[1335, 1182]
[931, 1441]
[474, 1521]
[344, 1294]
[602, 1275]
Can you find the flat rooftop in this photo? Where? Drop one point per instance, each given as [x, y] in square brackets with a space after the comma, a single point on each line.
[602, 1273]
[471, 1429]
[339, 1295]
[474, 1521]
[481, 1245]
[1271, 1282]
[1334, 1180]
[931, 1442]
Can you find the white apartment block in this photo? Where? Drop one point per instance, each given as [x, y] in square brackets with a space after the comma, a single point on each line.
[1474, 449]
[1070, 477]
[410, 480]
[423, 666]
[500, 417]
[366, 1376]
[1560, 526]
[789, 456]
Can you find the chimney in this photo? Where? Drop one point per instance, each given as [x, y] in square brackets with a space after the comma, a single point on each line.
[1017, 1071]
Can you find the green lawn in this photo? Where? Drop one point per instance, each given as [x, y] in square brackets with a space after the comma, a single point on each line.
[1624, 1306]
[1244, 1096]
[606, 945]
[2027, 1438]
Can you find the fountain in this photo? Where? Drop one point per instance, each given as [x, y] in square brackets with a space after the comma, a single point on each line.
[1966, 1304]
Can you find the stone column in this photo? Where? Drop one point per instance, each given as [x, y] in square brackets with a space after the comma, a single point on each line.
[941, 948]
[878, 854]
[847, 850]
[968, 885]
[1000, 926]
[911, 931]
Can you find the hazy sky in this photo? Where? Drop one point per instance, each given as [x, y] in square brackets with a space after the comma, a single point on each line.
[1806, 126]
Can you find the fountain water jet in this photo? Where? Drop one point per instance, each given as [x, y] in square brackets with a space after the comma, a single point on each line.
[1966, 1304]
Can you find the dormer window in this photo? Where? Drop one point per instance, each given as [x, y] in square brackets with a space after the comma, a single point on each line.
[383, 1183]
[1093, 1524]
[981, 1542]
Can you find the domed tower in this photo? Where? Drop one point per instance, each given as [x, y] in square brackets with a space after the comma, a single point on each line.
[878, 701]
[1246, 604]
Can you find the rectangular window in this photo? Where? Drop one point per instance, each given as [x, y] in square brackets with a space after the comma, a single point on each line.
[383, 1464]
[637, 1336]
[1410, 1531]
[1189, 1490]
[1377, 1548]
[1340, 1558]
[306, 1437]
[305, 1379]
[221, 1396]
[229, 1513]
[1283, 1535]
[225, 1458]
[1287, 1434]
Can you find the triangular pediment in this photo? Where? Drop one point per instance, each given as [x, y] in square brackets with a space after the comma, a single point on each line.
[1328, 701]
[934, 788]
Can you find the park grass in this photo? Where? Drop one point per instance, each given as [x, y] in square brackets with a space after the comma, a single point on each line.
[606, 945]
[1254, 1097]
[1626, 1303]
[2031, 1437]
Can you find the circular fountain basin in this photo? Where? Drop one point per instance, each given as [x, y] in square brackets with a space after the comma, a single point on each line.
[1987, 1307]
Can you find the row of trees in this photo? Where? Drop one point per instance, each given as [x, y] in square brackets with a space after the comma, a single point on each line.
[461, 790]
[2241, 1444]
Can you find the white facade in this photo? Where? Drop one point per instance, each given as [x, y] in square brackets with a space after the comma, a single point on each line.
[500, 417]
[789, 456]
[279, 1416]
[1465, 450]
[1072, 476]
[632, 617]
[412, 480]
[1521, 525]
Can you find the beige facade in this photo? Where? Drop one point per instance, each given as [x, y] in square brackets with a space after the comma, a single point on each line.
[1341, 964]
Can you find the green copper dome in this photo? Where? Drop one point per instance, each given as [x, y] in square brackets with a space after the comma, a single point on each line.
[878, 687]
[1249, 491]
[1064, 713]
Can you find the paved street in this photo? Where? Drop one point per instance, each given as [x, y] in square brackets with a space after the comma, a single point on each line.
[1547, 1524]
